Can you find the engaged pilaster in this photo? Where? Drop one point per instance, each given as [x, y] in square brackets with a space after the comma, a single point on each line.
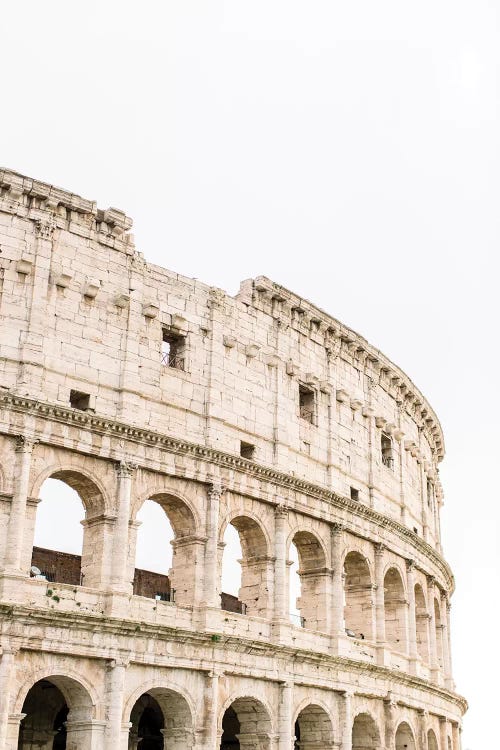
[6, 676]
[379, 600]
[116, 736]
[412, 617]
[15, 534]
[125, 472]
[285, 716]
[280, 563]
[337, 536]
[346, 713]
[214, 494]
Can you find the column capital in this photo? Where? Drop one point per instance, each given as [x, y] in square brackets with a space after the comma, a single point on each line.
[215, 489]
[410, 565]
[380, 549]
[281, 511]
[25, 444]
[126, 468]
[337, 528]
[431, 581]
[118, 661]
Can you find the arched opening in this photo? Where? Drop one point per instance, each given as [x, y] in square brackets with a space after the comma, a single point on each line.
[313, 575]
[52, 708]
[358, 603]
[153, 553]
[404, 737]
[365, 735]
[431, 740]
[313, 729]
[166, 550]
[253, 570]
[160, 719]
[439, 633]
[231, 572]
[395, 609]
[69, 540]
[422, 624]
[246, 726]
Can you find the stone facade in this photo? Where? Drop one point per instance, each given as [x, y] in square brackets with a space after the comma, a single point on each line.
[129, 382]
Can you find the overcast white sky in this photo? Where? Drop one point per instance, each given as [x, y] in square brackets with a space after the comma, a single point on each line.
[348, 150]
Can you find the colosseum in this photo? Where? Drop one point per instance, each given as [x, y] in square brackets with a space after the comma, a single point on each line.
[258, 413]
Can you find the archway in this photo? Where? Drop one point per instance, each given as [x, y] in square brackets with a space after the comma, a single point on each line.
[431, 740]
[358, 604]
[313, 581]
[422, 624]
[313, 729]
[161, 718]
[166, 550]
[54, 707]
[365, 735]
[246, 725]
[395, 608]
[404, 737]
[64, 552]
[254, 568]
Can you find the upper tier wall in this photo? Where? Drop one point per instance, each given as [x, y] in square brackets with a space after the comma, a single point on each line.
[82, 311]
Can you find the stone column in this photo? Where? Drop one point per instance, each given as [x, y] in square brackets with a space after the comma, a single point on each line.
[125, 471]
[423, 720]
[285, 728]
[115, 683]
[212, 738]
[212, 598]
[445, 639]
[412, 617]
[6, 674]
[443, 732]
[15, 534]
[346, 712]
[280, 563]
[390, 707]
[432, 628]
[379, 595]
[337, 536]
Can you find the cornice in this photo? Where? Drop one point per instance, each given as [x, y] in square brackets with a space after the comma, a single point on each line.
[127, 628]
[228, 461]
[39, 201]
[341, 341]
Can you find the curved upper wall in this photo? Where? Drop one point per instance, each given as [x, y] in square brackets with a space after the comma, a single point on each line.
[303, 393]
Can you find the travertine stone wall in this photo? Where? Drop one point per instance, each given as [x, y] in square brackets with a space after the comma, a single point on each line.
[267, 414]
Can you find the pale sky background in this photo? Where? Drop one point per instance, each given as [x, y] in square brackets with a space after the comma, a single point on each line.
[348, 150]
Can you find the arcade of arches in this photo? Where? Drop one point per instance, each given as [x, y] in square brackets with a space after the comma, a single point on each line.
[180, 548]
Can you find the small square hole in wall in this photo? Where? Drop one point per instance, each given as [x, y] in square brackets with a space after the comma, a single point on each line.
[354, 493]
[306, 448]
[247, 450]
[415, 530]
[79, 400]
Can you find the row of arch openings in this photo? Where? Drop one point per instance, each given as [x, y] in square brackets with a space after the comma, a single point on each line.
[164, 522]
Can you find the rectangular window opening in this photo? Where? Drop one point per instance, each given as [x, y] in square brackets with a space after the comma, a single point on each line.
[247, 450]
[173, 350]
[386, 449]
[79, 400]
[306, 403]
[354, 493]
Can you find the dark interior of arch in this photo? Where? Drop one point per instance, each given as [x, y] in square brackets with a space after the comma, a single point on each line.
[230, 730]
[46, 713]
[147, 722]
